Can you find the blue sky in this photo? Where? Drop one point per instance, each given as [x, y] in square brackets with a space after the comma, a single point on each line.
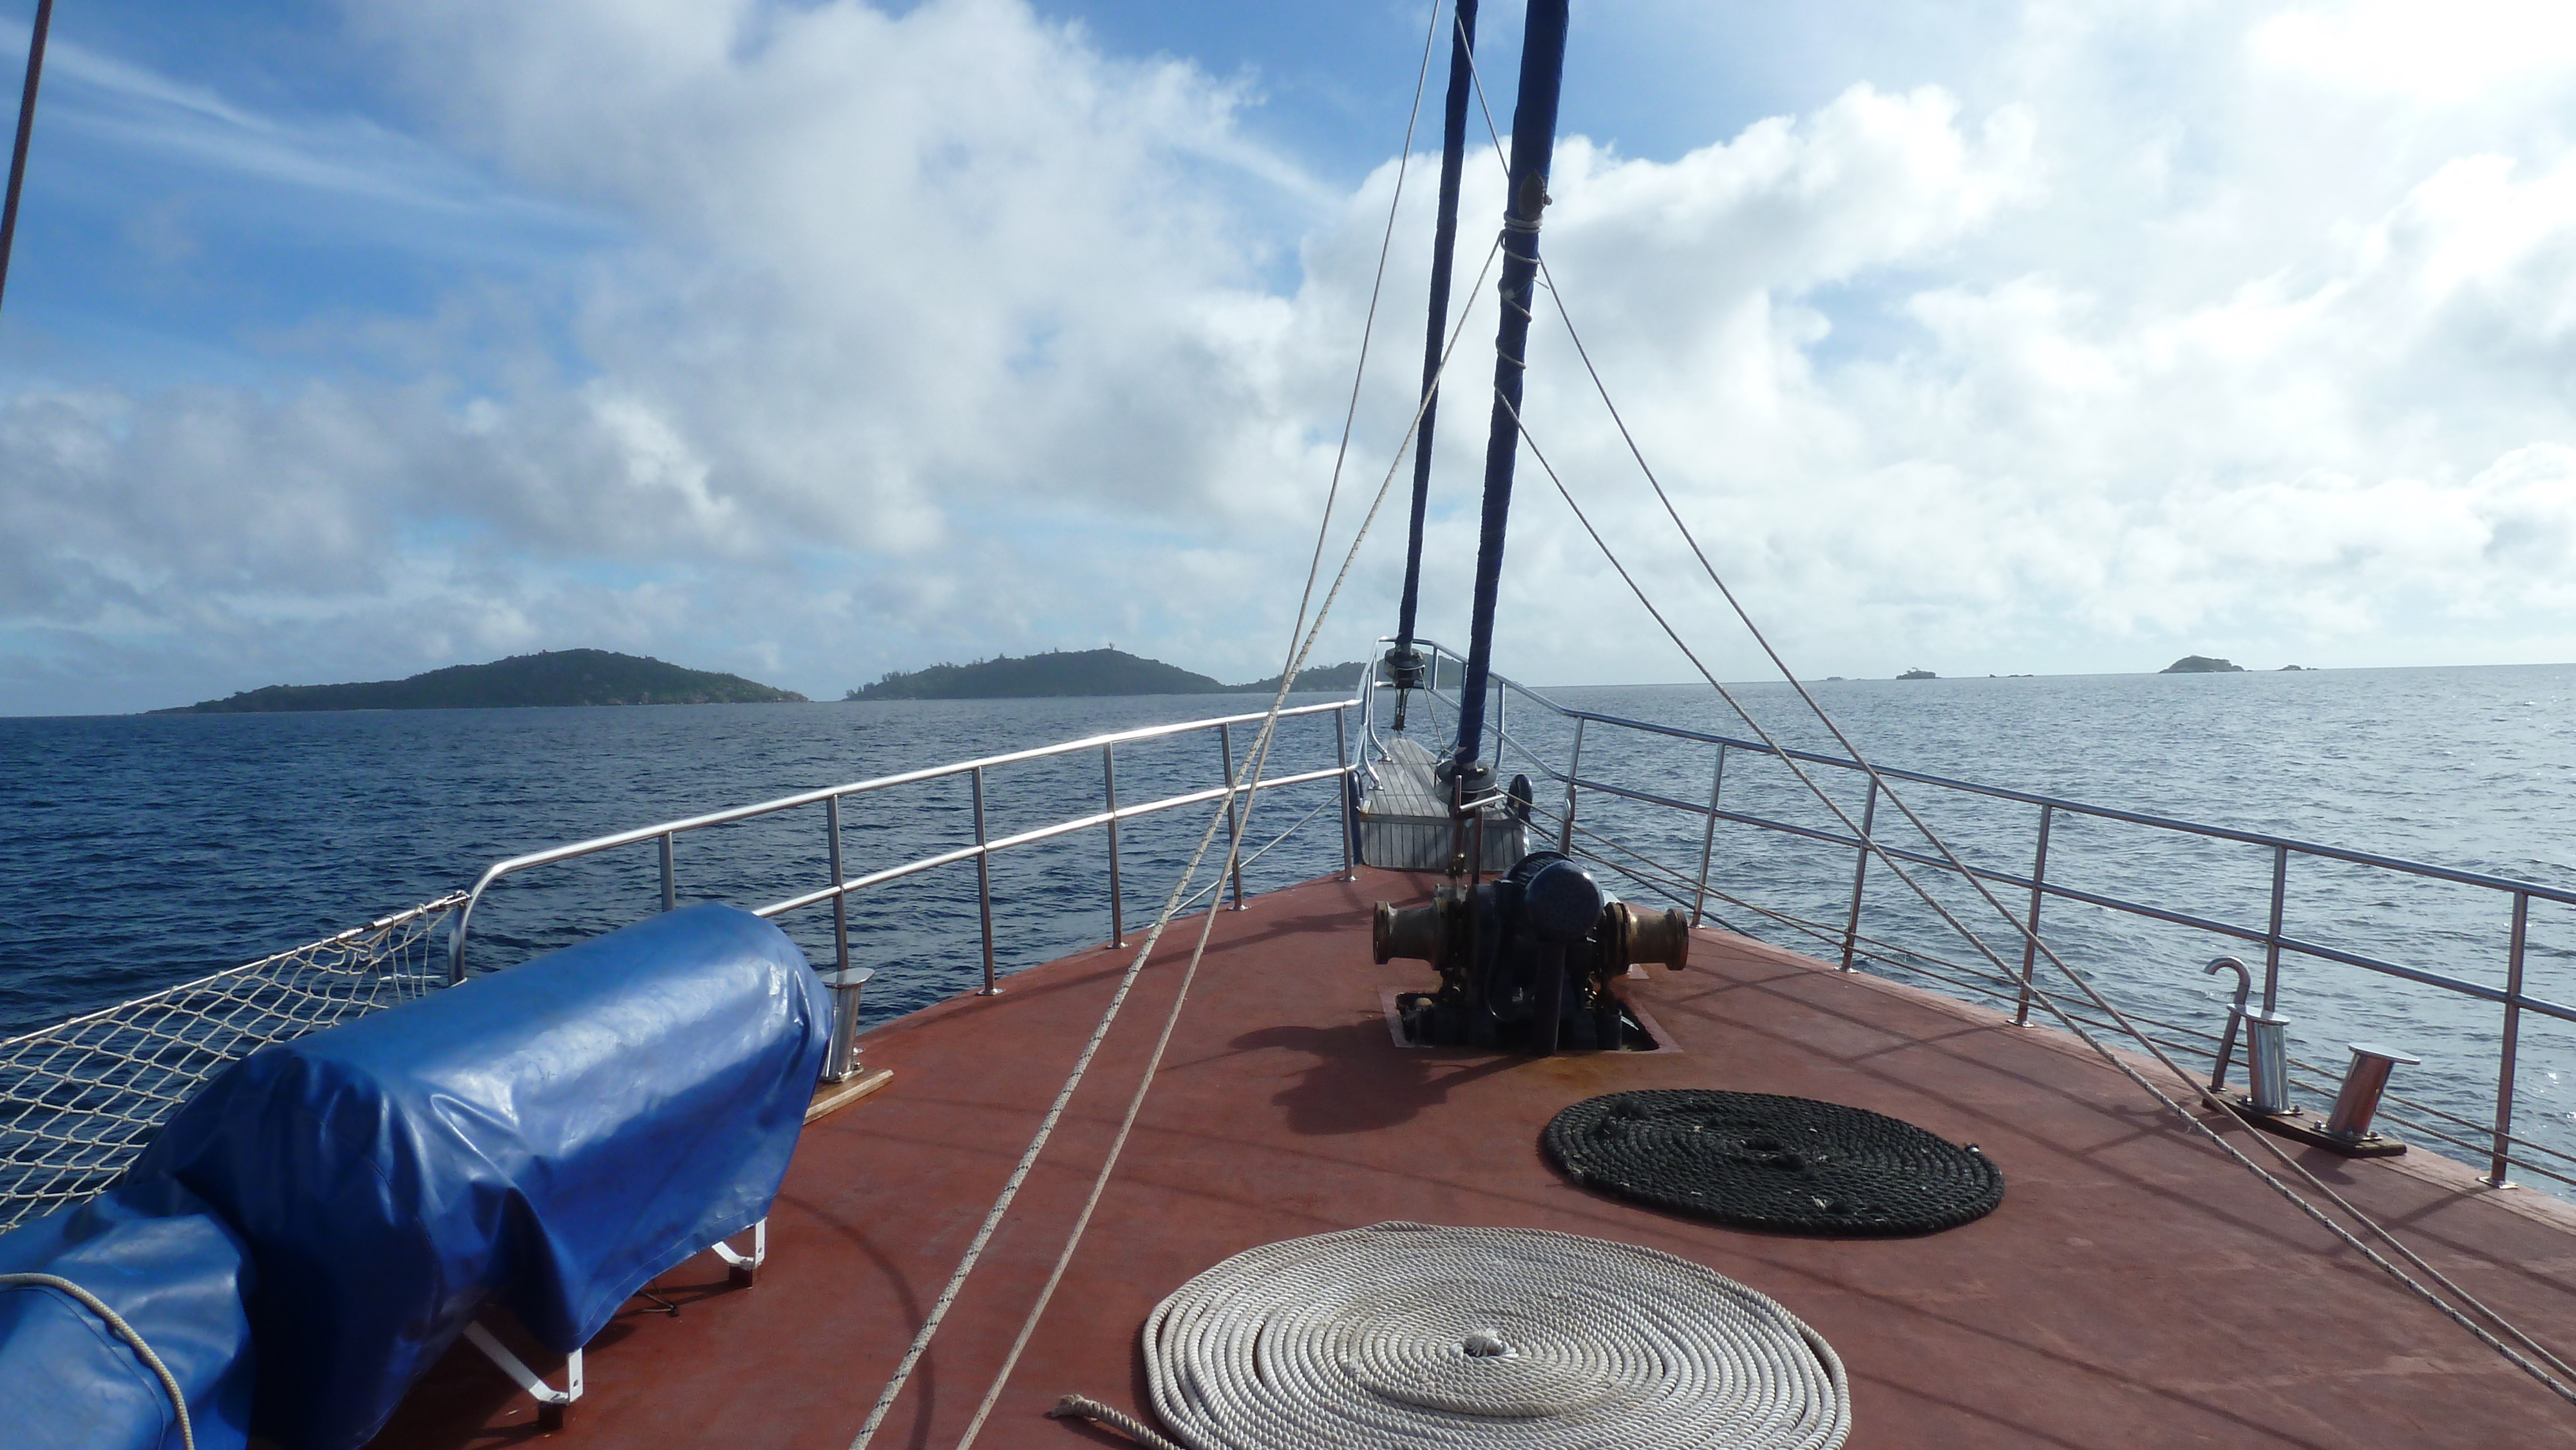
[346, 340]
[144, 175]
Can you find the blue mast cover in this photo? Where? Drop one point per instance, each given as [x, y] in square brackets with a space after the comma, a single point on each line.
[176, 1276]
[550, 1137]
[1533, 153]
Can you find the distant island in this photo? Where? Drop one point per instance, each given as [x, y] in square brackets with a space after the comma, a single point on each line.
[2201, 665]
[1344, 676]
[1062, 674]
[548, 677]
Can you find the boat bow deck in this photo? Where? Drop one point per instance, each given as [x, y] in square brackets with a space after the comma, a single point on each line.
[2134, 1289]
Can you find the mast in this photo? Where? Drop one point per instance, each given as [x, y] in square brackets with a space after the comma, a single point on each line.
[1533, 150]
[26, 128]
[1405, 665]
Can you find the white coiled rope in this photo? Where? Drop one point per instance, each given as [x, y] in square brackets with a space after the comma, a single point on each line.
[1409, 1334]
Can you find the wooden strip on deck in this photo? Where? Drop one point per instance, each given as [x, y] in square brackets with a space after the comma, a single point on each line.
[1405, 785]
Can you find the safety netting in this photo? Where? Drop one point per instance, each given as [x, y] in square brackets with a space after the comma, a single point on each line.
[79, 1099]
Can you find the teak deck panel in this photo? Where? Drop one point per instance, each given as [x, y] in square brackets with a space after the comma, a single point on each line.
[2135, 1288]
[1404, 784]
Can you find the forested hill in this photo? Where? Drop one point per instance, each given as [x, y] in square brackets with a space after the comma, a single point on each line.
[1055, 674]
[1344, 676]
[550, 677]
[1065, 673]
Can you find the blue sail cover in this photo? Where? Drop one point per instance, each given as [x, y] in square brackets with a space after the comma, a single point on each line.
[549, 1137]
[153, 1254]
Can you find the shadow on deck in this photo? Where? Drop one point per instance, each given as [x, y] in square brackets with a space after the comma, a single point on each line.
[2135, 1288]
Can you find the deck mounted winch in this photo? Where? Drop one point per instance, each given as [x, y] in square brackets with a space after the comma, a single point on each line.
[1526, 960]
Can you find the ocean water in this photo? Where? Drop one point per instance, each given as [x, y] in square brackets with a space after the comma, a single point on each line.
[144, 850]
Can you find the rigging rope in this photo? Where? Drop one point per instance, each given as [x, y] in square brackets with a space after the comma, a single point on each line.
[1359, 373]
[2565, 1389]
[2011, 918]
[1293, 828]
[1257, 757]
[124, 1331]
[1037, 1144]
[2561, 1388]
[1136, 1104]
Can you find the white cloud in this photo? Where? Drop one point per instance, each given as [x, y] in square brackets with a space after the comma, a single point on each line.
[942, 333]
[2440, 53]
[345, 177]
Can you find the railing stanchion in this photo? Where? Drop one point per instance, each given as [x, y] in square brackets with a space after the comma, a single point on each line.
[1860, 874]
[2500, 1167]
[840, 898]
[1708, 836]
[2272, 936]
[984, 884]
[2030, 943]
[1348, 771]
[1117, 902]
[1573, 768]
[1342, 758]
[1233, 821]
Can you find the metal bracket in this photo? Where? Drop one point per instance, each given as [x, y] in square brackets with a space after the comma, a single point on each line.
[551, 1402]
[2300, 1126]
[2235, 1015]
[743, 1268]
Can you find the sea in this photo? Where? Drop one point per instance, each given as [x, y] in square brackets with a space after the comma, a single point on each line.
[141, 851]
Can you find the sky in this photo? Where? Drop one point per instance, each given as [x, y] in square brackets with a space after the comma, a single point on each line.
[817, 340]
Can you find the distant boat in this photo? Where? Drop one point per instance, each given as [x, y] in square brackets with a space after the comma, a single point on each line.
[1918, 675]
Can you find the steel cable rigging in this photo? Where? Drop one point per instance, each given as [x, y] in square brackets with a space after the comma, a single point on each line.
[2562, 1384]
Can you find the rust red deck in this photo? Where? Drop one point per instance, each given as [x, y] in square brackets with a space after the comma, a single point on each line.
[2135, 1288]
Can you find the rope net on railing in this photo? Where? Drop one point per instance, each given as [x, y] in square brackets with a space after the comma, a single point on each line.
[79, 1100]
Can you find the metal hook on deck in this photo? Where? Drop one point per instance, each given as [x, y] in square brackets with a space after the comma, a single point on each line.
[2235, 1015]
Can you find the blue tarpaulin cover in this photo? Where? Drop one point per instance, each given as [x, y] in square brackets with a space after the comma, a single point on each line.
[550, 1137]
[151, 1253]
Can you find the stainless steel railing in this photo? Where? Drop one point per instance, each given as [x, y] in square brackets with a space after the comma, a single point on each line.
[78, 1100]
[2496, 1141]
[841, 887]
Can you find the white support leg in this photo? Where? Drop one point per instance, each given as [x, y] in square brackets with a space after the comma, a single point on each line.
[740, 1267]
[550, 1401]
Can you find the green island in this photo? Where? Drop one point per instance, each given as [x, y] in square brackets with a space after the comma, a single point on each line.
[1061, 674]
[548, 677]
[2201, 665]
